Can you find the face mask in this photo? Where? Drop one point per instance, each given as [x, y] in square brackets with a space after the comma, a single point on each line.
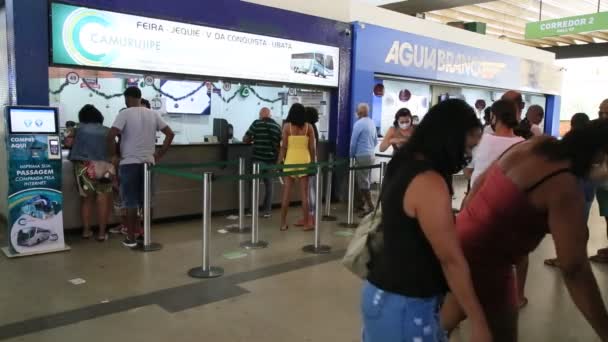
[404, 125]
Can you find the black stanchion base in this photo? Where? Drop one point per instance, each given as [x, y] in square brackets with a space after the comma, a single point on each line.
[254, 245]
[321, 249]
[236, 230]
[200, 273]
[152, 247]
[349, 225]
[329, 218]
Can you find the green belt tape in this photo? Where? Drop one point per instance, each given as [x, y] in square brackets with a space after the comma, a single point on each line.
[232, 178]
[198, 166]
[309, 165]
[181, 174]
[291, 173]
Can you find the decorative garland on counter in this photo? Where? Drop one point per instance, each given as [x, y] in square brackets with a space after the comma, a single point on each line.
[177, 99]
[61, 87]
[244, 91]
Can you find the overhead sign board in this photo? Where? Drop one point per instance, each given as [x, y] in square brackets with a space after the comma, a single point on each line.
[393, 52]
[569, 25]
[89, 37]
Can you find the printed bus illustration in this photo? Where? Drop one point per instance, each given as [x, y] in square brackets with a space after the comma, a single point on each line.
[315, 63]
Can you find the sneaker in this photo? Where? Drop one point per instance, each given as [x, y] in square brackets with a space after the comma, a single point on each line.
[249, 214]
[115, 230]
[118, 230]
[266, 215]
[129, 243]
[140, 240]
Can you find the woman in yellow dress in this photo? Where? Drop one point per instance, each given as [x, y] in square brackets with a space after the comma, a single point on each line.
[297, 147]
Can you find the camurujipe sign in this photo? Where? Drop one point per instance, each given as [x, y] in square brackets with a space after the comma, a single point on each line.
[569, 25]
[88, 37]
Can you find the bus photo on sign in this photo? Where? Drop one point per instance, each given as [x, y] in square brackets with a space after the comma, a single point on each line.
[313, 63]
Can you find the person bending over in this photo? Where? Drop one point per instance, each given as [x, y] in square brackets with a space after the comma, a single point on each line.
[532, 190]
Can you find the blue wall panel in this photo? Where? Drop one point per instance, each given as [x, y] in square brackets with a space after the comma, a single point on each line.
[31, 51]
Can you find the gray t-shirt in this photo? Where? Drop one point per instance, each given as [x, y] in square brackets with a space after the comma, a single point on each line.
[138, 127]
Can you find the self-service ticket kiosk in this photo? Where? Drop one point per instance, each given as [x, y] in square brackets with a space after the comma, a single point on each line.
[35, 213]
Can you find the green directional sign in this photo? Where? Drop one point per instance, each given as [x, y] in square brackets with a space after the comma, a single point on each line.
[569, 25]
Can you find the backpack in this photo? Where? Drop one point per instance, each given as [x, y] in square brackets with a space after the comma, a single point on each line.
[367, 240]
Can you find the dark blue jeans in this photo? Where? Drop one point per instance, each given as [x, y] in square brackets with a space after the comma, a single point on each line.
[389, 317]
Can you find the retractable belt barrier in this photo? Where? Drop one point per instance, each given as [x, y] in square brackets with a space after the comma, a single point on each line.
[259, 171]
[352, 169]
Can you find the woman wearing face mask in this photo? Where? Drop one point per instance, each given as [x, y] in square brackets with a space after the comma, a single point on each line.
[502, 116]
[401, 131]
[492, 145]
[421, 254]
[531, 190]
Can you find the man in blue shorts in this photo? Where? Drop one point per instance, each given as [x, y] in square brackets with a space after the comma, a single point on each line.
[137, 127]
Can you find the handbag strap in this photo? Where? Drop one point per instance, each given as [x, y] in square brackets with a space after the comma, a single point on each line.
[378, 202]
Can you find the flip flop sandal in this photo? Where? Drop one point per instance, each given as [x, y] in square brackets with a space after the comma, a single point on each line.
[600, 259]
[103, 238]
[552, 262]
[523, 303]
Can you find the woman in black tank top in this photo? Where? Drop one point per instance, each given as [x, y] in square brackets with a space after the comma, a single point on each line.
[421, 256]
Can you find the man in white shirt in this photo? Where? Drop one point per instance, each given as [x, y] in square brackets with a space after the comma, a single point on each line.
[493, 145]
[137, 127]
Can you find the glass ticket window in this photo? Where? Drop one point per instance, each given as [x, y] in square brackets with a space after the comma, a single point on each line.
[402, 94]
[478, 98]
[189, 106]
[529, 100]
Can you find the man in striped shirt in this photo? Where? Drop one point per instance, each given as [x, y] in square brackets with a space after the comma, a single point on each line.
[265, 134]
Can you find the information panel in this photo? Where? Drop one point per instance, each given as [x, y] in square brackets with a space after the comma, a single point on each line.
[89, 37]
[35, 201]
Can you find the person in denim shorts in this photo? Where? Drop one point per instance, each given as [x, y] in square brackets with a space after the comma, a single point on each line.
[87, 148]
[421, 258]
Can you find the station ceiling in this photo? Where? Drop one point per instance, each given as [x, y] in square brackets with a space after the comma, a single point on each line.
[506, 19]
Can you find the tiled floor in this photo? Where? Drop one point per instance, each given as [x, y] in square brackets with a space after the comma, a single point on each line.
[275, 294]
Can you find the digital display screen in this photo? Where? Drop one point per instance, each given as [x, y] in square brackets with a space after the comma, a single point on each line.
[199, 103]
[32, 120]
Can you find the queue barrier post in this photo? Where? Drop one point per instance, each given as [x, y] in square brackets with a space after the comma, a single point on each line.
[328, 190]
[241, 228]
[350, 220]
[255, 242]
[381, 178]
[317, 247]
[148, 245]
[206, 271]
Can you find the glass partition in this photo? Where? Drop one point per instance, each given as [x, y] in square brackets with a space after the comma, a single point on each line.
[188, 105]
[399, 94]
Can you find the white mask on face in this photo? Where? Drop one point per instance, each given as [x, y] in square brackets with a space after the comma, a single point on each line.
[404, 125]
